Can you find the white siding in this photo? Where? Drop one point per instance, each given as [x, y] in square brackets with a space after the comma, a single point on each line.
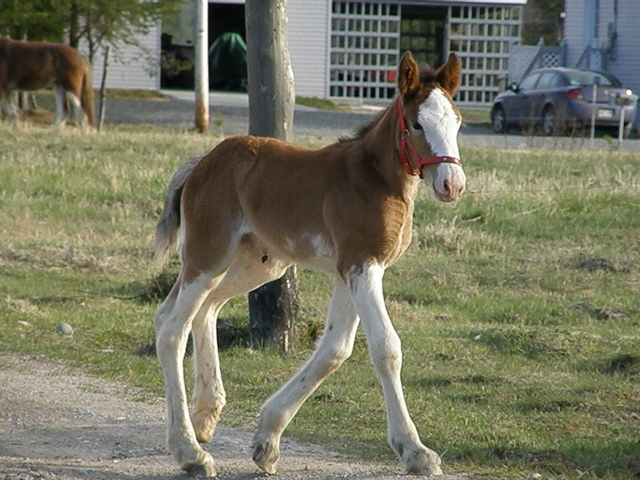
[574, 30]
[132, 67]
[625, 65]
[308, 32]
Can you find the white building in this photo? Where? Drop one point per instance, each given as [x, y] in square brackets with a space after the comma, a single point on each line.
[132, 67]
[350, 49]
[603, 35]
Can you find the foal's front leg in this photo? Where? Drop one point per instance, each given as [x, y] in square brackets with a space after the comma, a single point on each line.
[386, 354]
[334, 347]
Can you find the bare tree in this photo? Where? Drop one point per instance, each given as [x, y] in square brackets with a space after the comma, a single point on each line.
[272, 307]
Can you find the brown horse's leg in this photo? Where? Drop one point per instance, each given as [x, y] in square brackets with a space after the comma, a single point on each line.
[334, 348]
[9, 109]
[61, 114]
[76, 110]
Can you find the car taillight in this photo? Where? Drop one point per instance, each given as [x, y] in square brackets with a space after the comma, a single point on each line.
[574, 94]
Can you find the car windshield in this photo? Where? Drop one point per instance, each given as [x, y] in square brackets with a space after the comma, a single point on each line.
[591, 78]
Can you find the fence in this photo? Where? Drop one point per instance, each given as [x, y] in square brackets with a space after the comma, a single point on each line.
[525, 58]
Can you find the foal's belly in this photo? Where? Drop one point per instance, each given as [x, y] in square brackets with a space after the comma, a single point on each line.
[312, 251]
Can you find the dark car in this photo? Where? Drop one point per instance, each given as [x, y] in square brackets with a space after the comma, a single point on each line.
[560, 99]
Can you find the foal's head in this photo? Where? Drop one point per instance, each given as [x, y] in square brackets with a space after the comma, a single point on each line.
[429, 124]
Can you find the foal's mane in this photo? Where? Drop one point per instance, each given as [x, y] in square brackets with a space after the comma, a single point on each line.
[427, 76]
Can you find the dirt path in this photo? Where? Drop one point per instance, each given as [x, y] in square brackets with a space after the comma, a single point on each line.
[58, 424]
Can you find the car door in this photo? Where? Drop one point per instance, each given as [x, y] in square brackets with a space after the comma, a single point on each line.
[542, 94]
[519, 107]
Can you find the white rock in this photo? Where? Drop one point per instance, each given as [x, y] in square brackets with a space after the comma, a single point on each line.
[64, 329]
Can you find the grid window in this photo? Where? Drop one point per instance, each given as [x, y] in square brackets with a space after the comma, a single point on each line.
[365, 41]
[366, 46]
[481, 36]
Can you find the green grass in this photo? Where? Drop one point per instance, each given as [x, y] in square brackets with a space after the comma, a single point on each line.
[517, 306]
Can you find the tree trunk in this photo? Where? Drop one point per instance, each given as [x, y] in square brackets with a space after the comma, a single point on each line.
[272, 307]
[74, 25]
[272, 313]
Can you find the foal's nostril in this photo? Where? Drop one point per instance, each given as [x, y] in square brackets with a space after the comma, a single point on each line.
[447, 187]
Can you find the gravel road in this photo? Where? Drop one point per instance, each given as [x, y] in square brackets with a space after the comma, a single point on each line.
[229, 114]
[56, 423]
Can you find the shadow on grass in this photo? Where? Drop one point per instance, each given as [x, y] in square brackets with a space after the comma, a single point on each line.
[620, 459]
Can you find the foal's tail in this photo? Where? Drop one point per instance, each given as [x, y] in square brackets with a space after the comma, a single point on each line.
[87, 100]
[168, 224]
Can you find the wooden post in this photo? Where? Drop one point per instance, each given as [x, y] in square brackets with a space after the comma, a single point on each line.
[202, 66]
[103, 87]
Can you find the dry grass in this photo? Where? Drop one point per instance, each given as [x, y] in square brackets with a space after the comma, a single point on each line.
[517, 306]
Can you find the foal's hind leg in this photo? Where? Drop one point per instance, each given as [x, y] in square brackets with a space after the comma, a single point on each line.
[173, 323]
[386, 354]
[246, 272]
[334, 348]
[209, 396]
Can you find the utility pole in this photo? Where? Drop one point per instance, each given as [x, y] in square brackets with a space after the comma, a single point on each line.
[202, 66]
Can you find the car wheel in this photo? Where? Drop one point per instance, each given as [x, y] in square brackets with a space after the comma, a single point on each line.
[498, 120]
[549, 121]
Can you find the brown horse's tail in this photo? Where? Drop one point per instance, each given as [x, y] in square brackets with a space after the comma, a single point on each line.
[169, 222]
[87, 99]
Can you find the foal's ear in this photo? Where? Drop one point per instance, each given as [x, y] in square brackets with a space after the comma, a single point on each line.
[448, 75]
[408, 75]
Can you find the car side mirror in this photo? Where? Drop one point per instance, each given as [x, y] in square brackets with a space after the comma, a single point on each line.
[513, 87]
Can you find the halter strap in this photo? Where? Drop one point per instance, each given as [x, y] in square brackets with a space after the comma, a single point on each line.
[406, 148]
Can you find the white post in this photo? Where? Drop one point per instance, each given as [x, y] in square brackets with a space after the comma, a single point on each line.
[594, 110]
[621, 127]
[202, 65]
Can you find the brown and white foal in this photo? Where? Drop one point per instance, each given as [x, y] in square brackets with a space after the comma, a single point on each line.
[254, 206]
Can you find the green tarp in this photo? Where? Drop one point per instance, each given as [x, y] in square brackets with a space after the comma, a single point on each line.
[228, 63]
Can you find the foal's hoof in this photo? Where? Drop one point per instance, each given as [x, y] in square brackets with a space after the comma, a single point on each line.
[202, 467]
[204, 426]
[266, 456]
[422, 462]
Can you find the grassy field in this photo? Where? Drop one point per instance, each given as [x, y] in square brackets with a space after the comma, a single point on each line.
[518, 306]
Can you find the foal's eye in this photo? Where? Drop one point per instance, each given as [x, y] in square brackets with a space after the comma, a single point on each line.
[417, 126]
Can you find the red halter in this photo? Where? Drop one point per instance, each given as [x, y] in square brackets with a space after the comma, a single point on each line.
[406, 148]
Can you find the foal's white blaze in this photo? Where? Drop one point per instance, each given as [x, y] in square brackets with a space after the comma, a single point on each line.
[441, 124]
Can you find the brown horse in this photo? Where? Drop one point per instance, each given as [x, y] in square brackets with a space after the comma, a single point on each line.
[253, 206]
[34, 65]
